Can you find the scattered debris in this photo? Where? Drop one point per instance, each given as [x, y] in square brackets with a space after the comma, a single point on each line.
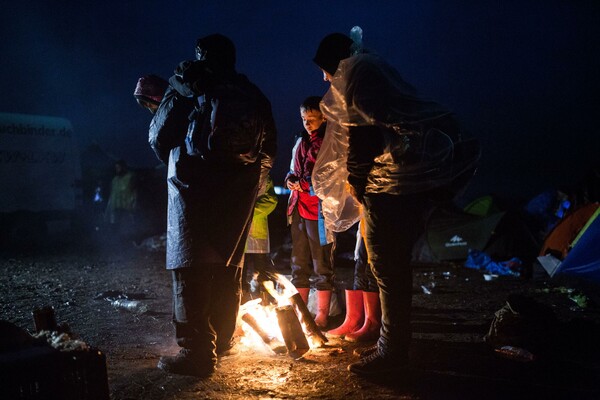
[522, 322]
[61, 341]
[515, 353]
[579, 298]
[153, 244]
[130, 305]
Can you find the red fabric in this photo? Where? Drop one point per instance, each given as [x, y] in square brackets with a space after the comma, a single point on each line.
[304, 162]
[151, 87]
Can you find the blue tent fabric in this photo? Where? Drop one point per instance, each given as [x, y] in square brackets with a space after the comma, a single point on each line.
[583, 260]
[481, 261]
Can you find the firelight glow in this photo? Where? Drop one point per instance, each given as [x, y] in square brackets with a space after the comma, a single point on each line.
[266, 316]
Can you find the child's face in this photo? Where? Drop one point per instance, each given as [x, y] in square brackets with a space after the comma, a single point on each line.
[311, 119]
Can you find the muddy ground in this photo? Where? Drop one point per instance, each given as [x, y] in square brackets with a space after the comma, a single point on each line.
[452, 310]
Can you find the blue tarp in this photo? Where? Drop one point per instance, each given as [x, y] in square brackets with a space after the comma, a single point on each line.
[482, 261]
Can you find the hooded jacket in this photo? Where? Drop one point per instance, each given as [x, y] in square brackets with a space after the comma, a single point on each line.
[398, 143]
[383, 138]
[209, 205]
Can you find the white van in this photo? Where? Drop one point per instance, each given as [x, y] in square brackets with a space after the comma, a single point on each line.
[40, 175]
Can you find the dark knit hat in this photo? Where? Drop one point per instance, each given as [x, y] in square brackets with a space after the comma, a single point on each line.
[332, 49]
[150, 88]
[217, 50]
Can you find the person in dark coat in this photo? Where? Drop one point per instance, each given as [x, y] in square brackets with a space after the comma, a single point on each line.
[210, 208]
[404, 154]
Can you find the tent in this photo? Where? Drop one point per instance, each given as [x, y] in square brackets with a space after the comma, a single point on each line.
[482, 206]
[573, 249]
[558, 241]
[584, 258]
[451, 233]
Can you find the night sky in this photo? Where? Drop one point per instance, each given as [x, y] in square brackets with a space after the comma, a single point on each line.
[523, 76]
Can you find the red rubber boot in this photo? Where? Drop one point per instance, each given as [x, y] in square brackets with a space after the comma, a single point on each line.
[355, 315]
[304, 294]
[372, 325]
[323, 301]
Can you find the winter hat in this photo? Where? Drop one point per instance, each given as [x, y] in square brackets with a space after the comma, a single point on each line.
[217, 50]
[332, 49]
[150, 88]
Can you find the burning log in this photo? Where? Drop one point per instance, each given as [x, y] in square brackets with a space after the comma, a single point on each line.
[292, 332]
[273, 343]
[308, 320]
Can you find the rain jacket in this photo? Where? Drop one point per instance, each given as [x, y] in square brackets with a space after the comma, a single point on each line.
[209, 205]
[258, 237]
[304, 155]
[391, 141]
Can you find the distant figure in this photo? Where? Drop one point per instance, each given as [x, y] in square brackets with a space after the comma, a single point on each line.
[149, 91]
[212, 187]
[312, 245]
[122, 202]
[257, 260]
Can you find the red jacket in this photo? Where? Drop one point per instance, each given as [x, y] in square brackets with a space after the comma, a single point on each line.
[304, 156]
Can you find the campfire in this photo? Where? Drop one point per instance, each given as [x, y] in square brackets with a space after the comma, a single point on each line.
[282, 325]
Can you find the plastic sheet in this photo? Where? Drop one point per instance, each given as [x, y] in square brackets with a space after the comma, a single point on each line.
[419, 154]
[330, 180]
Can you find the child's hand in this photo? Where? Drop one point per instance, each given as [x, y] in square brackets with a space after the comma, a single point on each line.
[294, 186]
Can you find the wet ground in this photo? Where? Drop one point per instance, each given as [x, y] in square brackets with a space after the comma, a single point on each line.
[453, 308]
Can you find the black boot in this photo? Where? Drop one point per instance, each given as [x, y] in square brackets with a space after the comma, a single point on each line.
[363, 352]
[188, 362]
[377, 363]
[226, 349]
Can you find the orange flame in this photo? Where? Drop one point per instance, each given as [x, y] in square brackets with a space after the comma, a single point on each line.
[266, 315]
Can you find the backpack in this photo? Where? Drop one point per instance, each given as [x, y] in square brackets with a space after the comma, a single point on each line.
[226, 125]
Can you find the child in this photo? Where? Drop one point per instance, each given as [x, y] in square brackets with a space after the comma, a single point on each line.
[310, 242]
[149, 92]
[257, 260]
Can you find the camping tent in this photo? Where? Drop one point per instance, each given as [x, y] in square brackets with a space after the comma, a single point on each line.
[482, 206]
[576, 244]
[452, 232]
[558, 241]
[584, 258]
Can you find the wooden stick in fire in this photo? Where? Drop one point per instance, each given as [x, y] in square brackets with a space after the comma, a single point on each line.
[301, 308]
[273, 343]
[292, 332]
[308, 320]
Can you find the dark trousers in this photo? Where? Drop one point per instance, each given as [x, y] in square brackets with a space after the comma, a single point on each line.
[393, 224]
[363, 276]
[206, 300]
[309, 255]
